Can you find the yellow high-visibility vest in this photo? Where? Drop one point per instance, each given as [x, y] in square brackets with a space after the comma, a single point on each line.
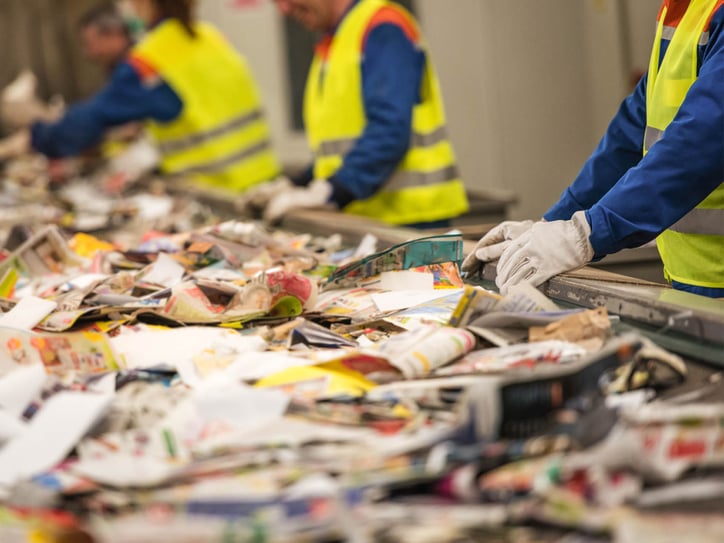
[692, 249]
[221, 136]
[426, 186]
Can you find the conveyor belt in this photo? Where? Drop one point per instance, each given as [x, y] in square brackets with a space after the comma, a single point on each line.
[685, 323]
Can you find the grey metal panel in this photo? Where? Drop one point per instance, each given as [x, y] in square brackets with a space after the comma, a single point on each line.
[697, 321]
[666, 309]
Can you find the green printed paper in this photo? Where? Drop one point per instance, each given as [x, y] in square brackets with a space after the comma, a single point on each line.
[411, 254]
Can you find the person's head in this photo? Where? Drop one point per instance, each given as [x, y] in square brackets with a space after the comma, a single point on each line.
[316, 15]
[152, 11]
[104, 36]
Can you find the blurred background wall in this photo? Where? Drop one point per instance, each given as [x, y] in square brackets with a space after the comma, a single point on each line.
[42, 35]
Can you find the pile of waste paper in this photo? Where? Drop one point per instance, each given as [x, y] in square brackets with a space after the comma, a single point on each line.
[169, 376]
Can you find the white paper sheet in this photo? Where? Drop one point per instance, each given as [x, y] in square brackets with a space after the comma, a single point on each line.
[10, 426]
[406, 280]
[404, 299]
[51, 435]
[27, 313]
[165, 271]
[181, 346]
[238, 404]
[366, 247]
[19, 387]
[87, 279]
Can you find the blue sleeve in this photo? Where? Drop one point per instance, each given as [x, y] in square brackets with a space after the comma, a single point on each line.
[678, 172]
[619, 150]
[391, 76]
[124, 99]
[304, 178]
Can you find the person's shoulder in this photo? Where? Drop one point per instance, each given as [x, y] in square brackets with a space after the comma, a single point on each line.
[142, 68]
[397, 19]
[210, 32]
[716, 20]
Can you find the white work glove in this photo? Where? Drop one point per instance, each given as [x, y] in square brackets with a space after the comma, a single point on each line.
[545, 250]
[258, 197]
[316, 194]
[492, 244]
[15, 145]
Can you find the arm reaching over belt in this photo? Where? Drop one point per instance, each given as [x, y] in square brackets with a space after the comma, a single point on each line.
[545, 250]
[128, 97]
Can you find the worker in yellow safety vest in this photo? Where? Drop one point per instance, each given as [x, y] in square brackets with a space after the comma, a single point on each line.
[374, 119]
[195, 93]
[658, 172]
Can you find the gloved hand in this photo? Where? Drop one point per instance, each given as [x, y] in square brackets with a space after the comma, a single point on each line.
[545, 250]
[316, 194]
[15, 145]
[258, 197]
[492, 244]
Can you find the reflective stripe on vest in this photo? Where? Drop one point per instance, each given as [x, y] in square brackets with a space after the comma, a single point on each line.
[426, 185]
[183, 143]
[406, 179]
[651, 136]
[344, 146]
[221, 136]
[222, 164]
[668, 33]
[709, 222]
[692, 248]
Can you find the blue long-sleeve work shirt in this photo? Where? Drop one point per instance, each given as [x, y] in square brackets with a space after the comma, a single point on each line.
[127, 97]
[630, 199]
[392, 68]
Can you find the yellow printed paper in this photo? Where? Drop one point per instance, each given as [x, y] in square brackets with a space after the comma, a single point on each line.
[312, 382]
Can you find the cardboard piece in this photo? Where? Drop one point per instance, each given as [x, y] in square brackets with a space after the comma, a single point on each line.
[586, 328]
